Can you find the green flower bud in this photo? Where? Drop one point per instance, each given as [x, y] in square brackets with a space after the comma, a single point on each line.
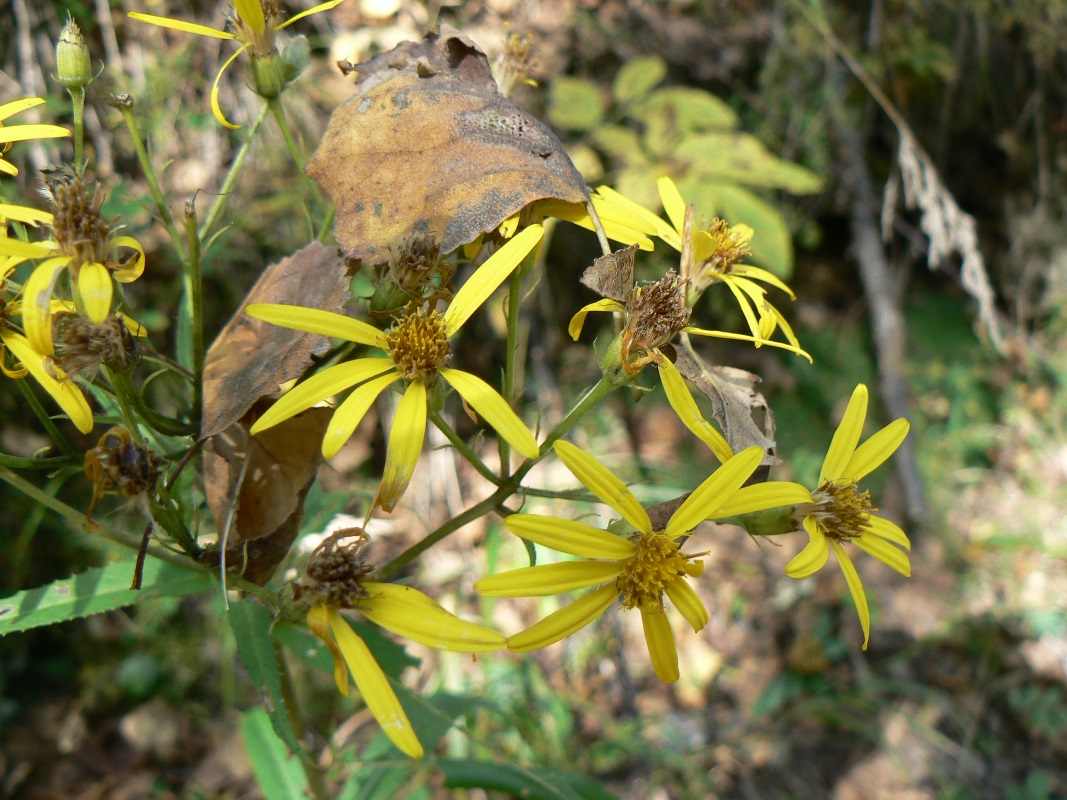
[74, 66]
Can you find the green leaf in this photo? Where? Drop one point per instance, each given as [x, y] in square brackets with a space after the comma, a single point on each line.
[772, 244]
[620, 143]
[95, 591]
[638, 77]
[279, 774]
[742, 158]
[575, 104]
[527, 782]
[586, 161]
[251, 624]
[693, 110]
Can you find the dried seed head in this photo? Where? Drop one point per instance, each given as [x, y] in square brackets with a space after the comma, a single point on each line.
[416, 268]
[80, 231]
[119, 463]
[657, 312]
[82, 345]
[512, 66]
[337, 571]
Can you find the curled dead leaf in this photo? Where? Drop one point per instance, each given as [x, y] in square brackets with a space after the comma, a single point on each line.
[427, 147]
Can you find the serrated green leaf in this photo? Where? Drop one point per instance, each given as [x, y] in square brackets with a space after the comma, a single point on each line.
[575, 104]
[527, 782]
[638, 77]
[95, 591]
[742, 158]
[693, 110]
[251, 624]
[621, 143]
[772, 244]
[279, 774]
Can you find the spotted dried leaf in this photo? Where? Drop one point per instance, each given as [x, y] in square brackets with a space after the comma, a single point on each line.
[251, 358]
[427, 147]
[612, 276]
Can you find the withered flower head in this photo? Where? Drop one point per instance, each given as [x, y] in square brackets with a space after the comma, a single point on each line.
[82, 345]
[337, 571]
[79, 228]
[415, 266]
[512, 66]
[122, 464]
[657, 312]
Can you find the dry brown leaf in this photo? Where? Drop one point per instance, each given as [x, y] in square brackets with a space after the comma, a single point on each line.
[733, 396]
[251, 358]
[427, 147]
[281, 466]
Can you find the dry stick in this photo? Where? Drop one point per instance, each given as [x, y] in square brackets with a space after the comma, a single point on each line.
[887, 320]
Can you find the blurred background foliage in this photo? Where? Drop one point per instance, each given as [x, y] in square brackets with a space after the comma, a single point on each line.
[962, 694]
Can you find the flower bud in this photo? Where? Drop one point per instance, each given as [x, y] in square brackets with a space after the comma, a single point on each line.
[74, 66]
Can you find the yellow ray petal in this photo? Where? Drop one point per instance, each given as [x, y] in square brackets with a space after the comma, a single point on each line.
[569, 536]
[319, 623]
[251, 14]
[65, 393]
[322, 386]
[8, 168]
[22, 133]
[96, 289]
[685, 406]
[761, 496]
[743, 292]
[661, 647]
[216, 109]
[617, 230]
[546, 579]
[759, 342]
[489, 276]
[24, 214]
[843, 445]
[352, 411]
[313, 320]
[17, 106]
[37, 303]
[716, 489]
[561, 624]
[889, 554]
[813, 557]
[599, 480]
[180, 25]
[614, 205]
[491, 407]
[762, 275]
[10, 246]
[136, 269]
[688, 602]
[313, 10]
[409, 613]
[855, 586]
[673, 204]
[374, 686]
[875, 451]
[574, 328]
[889, 531]
[405, 445]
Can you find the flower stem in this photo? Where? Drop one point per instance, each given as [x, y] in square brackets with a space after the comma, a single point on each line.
[58, 438]
[462, 448]
[124, 103]
[231, 176]
[77, 97]
[275, 106]
[511, 363]
[194, 292]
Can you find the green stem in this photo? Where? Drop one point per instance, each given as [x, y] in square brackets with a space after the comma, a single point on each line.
[508, 487]
[123, 386]
[231, 176]
[327, 224]
[53, 430]
[194, 291]
[168, 516]
[125, 389]
[275, 105]
[56, 462]
[124, 103]
[77, 97]
[314, 773]
[461, 446]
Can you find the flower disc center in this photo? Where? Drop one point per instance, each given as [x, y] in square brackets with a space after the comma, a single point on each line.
[842, 511]
[649, 572]
[418, 344]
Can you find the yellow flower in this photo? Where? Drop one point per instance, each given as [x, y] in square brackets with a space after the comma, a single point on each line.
[712, 256]
[640, 569]
[336, 579]
[840, 512]
[255, 28]
[418, 350]
[84, 244]
[21, 133]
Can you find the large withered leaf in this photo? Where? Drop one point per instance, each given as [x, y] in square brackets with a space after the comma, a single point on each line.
[427, 147]
[250, 358]
[275, 470]
[733, 396]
